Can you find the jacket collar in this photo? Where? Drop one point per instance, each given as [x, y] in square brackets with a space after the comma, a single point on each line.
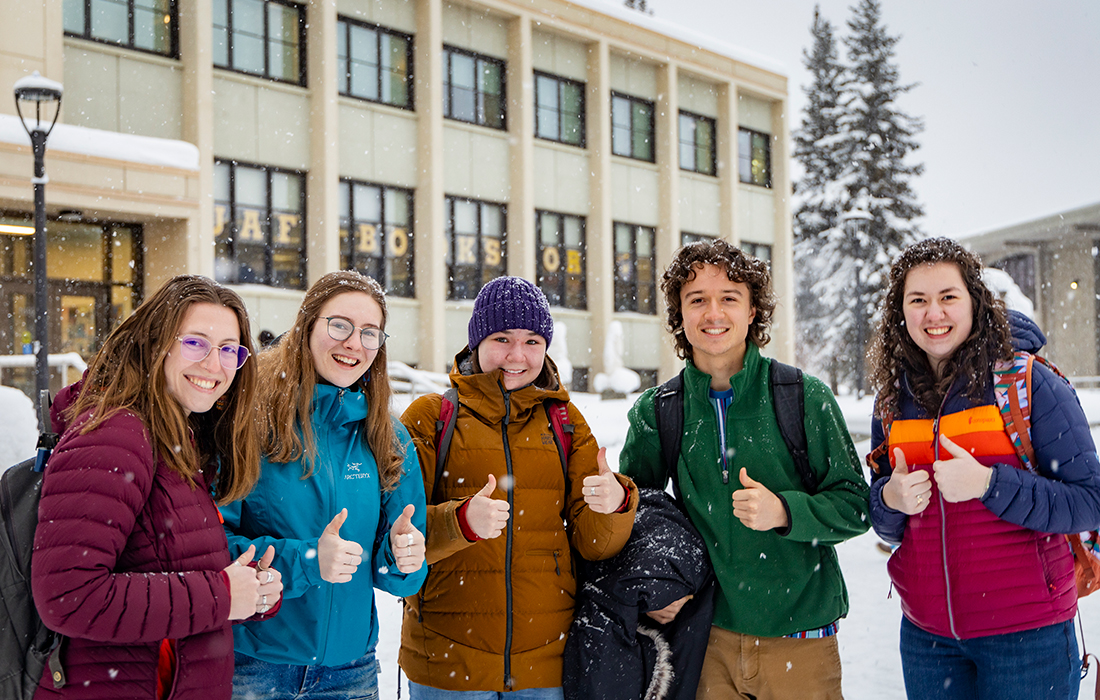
[335, 406]
[697, 382]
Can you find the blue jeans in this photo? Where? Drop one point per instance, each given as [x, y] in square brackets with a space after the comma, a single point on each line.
[259, 680]
[423, 692]
[1038, 664]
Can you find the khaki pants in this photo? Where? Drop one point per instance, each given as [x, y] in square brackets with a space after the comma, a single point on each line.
[743, 667]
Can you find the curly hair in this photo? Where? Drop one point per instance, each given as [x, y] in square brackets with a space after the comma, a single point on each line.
[289, 363]
[739, 267]
[128, 374]
[894, 356]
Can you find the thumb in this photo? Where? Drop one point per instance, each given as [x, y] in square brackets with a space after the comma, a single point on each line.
[900, 467]
[601, 460]
[246, 557]
[333, 528]
[404, 521]
[955, 450]
[746, 481]
[490, 486]
[267, 558]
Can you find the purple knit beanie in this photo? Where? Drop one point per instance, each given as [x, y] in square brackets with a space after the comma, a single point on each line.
[510, 302]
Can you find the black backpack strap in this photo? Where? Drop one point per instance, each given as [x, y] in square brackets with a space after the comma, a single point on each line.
[789, 402]
[669, 403]
[444, 431]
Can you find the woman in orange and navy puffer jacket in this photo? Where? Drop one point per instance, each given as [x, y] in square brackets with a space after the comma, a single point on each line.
[983, 570]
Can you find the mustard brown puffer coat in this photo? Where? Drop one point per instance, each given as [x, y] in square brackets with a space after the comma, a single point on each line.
[493, 615]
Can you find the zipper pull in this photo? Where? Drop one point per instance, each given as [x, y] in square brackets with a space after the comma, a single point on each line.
[725, 475]
[557, 570]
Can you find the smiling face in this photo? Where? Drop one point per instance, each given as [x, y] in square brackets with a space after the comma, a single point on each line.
[517, 352]
[197, 385]
[343, 362]
[939, 312]
[717, 314]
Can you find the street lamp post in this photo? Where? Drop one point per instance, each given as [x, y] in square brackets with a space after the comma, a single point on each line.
[856, 222]
[42, 94]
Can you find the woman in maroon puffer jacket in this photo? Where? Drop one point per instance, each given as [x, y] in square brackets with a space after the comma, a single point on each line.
[130, 560]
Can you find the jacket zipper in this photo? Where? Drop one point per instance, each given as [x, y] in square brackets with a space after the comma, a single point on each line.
[943, 523]
[328, 437]
[508, 544]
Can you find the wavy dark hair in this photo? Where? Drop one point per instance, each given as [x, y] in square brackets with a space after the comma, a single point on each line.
[894, 356]
[739, 267]
[289, 363]
[128, 374]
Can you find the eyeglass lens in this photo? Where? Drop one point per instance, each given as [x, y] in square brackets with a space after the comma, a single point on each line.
[195, 349]
[340, 329]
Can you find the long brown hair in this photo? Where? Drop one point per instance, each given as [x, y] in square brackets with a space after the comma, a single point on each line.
[894, 355]
[739, 267]
[289, 363]
[128, 374]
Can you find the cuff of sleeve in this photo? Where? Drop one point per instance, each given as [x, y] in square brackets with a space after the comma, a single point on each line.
[991, 479]
[784, 531]
[464, 524]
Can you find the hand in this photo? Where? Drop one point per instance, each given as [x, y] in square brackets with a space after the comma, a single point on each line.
[906, 491]
[406, 542]
[962, 477]
[271, 582]
[756, 507]
[603, 493]
[243, 586]
[668, 614]
[337, 557]
[485, 515]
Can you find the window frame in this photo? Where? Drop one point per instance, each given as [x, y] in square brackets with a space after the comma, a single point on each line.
[744, 155]
[652, 134]
[448, 88]
[479, 257]
[713, 152]
[540, 253]
[266, 74]
[690, 237]
[754, 249]
[174, 34]
[345, 65]
[634, 284]
[347, 254]
[231, 222]
[560, 82]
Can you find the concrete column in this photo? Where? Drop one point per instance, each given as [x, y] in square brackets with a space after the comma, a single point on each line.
[322, 183]
[667, 135]
[782, 330]
[196, 36]
[521, 99]
[431, 245]
[600, 233]
[727, 162]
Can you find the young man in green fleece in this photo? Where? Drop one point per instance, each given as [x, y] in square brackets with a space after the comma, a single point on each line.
[780, 590]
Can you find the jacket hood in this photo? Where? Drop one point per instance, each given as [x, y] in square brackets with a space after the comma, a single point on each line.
[1026, 334]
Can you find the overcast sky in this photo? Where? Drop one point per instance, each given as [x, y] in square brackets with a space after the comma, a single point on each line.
[1009, 94]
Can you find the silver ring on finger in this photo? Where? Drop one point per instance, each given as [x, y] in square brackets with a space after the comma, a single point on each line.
[263, 599]
[411, 541]
[264, 608]
[270, 577]
[408, 551]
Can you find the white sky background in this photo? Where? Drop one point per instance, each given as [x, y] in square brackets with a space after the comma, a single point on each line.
[1009, 94]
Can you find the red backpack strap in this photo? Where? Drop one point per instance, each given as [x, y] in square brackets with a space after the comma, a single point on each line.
[444, 431]
[883, 448]
[560, 425]
[1012, 389]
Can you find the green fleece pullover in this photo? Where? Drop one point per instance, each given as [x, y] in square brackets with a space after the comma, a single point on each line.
[776, 582]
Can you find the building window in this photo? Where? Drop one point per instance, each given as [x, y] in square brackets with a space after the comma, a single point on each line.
[631, 127]
[648, 377]
[1021, 268]
[261, 37]
[580, 380]
[376, 234]
[697, 143]
[146, 25]
[635, 271]
[559, 109]
[374, 63]
[259, 227]
[561, 259]
[687, 238]
[758, 250]
[475, 245]
[754, 157]
[473, 88]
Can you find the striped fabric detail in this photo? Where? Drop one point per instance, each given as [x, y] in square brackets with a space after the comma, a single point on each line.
[820, 633]
[1012, 377]
[980, 430]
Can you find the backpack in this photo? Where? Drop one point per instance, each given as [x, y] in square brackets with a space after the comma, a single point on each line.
[26, 645]
[556, 411]
[788, 402]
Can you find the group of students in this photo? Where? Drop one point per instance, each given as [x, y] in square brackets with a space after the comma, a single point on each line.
[215, 524]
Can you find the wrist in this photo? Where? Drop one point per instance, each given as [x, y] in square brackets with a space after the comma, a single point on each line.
[988, 482]
[464, 523]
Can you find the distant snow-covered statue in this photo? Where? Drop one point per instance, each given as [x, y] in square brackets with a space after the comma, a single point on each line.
[1005, 288]
[616, 378]
[559, 350]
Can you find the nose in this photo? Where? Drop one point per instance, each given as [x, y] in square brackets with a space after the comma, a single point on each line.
[353, 341]
[212, 362]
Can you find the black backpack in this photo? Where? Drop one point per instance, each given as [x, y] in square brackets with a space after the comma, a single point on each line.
[26, 645]
[788, 401]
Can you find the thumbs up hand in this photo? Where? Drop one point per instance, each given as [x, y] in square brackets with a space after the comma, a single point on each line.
[406, 542]
[960, 478]
[486, 515]
[603, 493]
[908, 492]
[337, 557]
[756, 507]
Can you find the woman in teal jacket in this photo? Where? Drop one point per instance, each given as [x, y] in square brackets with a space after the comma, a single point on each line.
[339, 497]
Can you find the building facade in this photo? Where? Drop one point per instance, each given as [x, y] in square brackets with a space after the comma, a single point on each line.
[433, 145]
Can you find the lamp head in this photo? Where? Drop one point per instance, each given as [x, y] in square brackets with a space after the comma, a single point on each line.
[42, 93]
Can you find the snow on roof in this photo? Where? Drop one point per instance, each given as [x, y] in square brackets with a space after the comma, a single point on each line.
[107, 144]
[616, 9]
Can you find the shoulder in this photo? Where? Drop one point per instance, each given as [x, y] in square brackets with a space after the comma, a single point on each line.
[123, 429]
[645, 406]
[817, 390]
[420, 417]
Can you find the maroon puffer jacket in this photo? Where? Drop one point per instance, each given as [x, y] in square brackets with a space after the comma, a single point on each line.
[127, 554]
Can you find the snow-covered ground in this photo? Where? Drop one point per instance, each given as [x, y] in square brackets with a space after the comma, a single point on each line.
[868, 637]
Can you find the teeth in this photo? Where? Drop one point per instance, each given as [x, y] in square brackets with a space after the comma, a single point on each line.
[937, 331]
[349, 361]
[514, 371]
[714, 331]
[202, 383]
